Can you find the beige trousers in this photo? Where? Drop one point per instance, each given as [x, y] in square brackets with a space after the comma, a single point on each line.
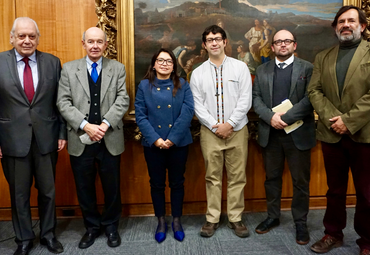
[233, 153]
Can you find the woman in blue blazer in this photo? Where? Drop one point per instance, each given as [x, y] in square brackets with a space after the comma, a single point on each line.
[164, 108]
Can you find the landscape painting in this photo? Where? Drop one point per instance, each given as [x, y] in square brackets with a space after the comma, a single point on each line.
[249, 25]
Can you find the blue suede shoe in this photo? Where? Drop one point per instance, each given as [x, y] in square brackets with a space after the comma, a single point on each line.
[179, 235]
[160, 236]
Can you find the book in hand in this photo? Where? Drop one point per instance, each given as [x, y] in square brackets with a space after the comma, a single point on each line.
[284, 107]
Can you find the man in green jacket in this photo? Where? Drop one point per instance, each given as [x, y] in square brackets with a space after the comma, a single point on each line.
[340, 93]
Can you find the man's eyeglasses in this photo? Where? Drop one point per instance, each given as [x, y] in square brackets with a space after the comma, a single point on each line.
[161, 61]
[286, 42]
[217, 39]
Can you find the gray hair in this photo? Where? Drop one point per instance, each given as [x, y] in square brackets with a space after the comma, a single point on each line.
[24, 19]
[105, 36]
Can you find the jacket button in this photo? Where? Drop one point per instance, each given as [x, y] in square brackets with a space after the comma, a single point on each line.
[30, 125]
[88, 102]
[169, 106]
[170, 126]
[158, 106]
[158, 89]
[159, 126]
[87, 114]
[168, 88]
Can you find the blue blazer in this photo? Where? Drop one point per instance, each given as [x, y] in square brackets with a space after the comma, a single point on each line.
[160, 115]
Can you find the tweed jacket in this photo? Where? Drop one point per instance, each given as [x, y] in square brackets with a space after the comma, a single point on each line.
[74, 102]
[304, 136]
[353, 105]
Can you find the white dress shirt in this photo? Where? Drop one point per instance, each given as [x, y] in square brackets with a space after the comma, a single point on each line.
[286, 62]
[33, 65]
[237, 93]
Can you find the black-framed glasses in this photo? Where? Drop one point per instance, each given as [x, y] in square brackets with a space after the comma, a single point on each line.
[161, 61]
[217, 39]
[286, 42]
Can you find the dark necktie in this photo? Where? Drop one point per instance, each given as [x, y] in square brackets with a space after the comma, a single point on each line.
[94, 72]
[281, 65]
[28, 81]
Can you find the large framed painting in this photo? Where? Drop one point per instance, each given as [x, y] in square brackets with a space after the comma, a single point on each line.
[147, 25]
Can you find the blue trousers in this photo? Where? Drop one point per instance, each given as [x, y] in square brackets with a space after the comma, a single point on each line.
[173, 159]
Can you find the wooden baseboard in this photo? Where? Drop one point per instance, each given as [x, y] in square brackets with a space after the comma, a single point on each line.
[190, 208]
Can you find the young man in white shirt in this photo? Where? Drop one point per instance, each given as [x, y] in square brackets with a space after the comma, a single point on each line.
[222, 90]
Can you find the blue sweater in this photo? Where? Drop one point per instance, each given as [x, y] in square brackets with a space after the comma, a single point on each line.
[160, 115]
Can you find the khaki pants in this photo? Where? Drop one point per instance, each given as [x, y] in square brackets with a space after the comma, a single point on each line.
[233, 152]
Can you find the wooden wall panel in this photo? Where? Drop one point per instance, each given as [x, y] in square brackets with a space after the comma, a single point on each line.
[7, 12]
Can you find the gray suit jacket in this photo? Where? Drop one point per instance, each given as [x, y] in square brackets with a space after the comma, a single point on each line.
[19, 118]
[303, 137]
[74, 102]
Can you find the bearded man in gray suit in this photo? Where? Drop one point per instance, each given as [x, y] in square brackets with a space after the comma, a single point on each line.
[285, 77]
[92, 98]
[31, 132]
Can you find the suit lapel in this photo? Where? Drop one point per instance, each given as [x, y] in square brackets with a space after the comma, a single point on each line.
[332, 58]
[106, 78]
[81, 75]
[295, 75]
[13, 70]
[40, 68]
[270, 77]
[355, 62]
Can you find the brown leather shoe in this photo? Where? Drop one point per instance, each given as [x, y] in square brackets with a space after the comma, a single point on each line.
[365, 252]
[327, 243]
[208, 229]
[239, 228]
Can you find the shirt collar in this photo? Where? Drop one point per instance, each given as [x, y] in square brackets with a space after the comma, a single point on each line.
[89, 62]
[223, 61]
[19, 57]
[287, 62]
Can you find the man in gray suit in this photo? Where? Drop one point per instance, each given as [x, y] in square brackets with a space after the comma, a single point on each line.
[285, 77]
[31, 132]
[92, 98]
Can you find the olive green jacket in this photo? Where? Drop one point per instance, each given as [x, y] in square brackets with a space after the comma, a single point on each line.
[354, 103]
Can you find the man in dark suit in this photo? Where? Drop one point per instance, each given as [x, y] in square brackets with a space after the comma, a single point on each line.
[92, 98]
[285, 77]
[31, 132]
[340, 93]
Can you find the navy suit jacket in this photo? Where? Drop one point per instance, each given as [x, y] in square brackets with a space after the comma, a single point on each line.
[303, 137]
[160, 115]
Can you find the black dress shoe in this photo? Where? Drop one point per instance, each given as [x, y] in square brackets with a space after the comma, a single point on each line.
[114, 239]
[24, 249]
[88, 239]
[266, 225]
[53, 245]
[302, 236]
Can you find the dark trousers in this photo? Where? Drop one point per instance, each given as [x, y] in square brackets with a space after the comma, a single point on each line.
[19, 173]
[173, 159]
[281, 146]
[338, 158]
[97, 159]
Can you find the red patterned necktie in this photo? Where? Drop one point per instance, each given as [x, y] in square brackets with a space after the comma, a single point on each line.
[28, 81]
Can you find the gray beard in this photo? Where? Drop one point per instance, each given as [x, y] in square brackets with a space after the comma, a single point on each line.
[356, 34]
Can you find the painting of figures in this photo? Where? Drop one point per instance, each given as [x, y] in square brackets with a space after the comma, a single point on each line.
[249, 25]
